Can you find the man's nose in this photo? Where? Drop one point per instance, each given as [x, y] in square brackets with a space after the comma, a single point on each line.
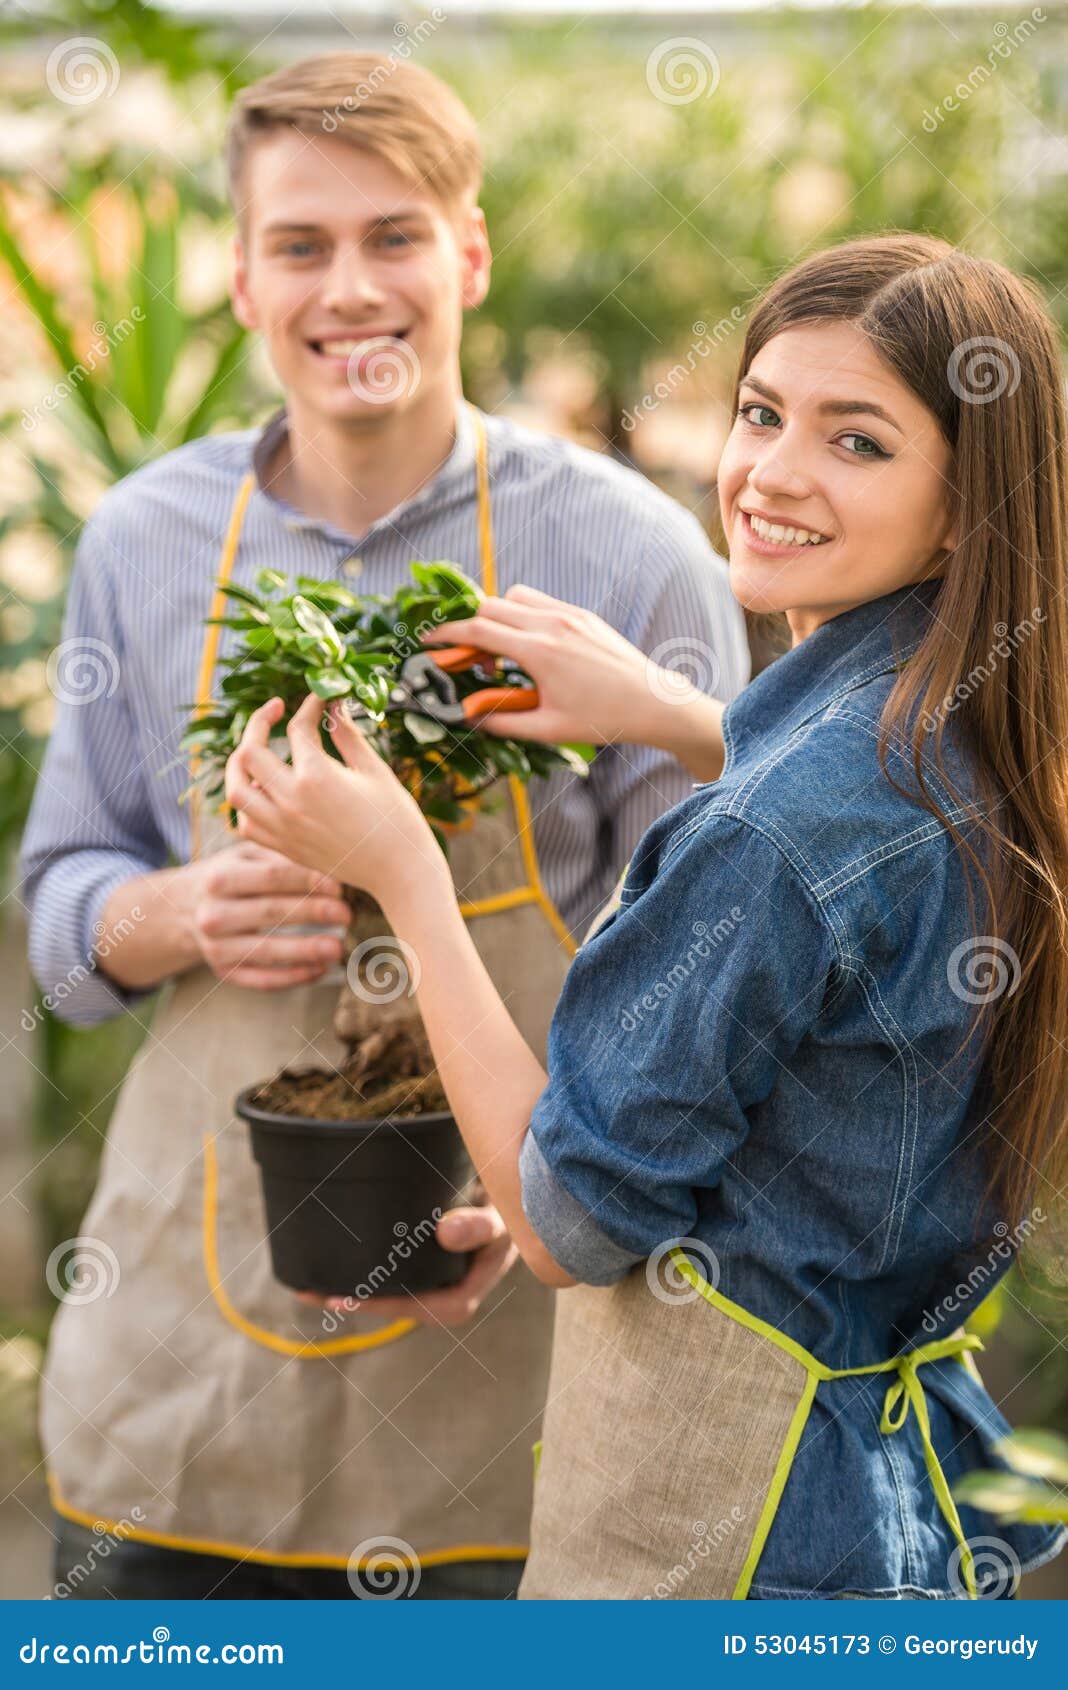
[350, 284]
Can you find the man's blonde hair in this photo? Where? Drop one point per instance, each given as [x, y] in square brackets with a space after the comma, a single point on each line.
[402, 114]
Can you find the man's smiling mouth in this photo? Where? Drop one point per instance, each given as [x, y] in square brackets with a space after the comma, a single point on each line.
[344, 346]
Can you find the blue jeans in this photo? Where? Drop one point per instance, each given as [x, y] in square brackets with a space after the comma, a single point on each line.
[92, 1568]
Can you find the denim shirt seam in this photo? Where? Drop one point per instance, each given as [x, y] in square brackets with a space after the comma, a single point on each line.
[953, 808]
[864, 864]
[825, 912]
[902, 1048]
[902, 1492]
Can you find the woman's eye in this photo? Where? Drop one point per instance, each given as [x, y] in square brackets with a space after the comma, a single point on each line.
[865, 446]
[761, 416]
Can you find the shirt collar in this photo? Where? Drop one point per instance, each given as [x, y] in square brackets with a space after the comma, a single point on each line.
[869, 640]
[458, 467]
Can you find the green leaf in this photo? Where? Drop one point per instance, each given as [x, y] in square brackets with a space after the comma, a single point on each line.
[270, 581]
[446, 581]
[1042, 1455]
[1010, 1495]
[424, 728]
[262, 641]
[329, 683]
[243, 596]
[316, 623]
[572, 758]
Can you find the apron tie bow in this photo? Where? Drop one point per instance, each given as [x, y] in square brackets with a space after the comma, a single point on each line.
[905, 1392]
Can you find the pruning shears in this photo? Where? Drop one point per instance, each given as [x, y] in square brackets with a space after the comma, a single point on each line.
[424, 684]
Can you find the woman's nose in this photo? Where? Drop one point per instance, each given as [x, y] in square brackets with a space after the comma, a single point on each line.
[776, 471]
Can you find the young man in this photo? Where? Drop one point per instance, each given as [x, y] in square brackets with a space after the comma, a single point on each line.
[198, 1408]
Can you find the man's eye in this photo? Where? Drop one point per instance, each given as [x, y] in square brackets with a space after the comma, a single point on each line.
[761, 416]
[396, 238]
[865, 446]
[298, 249]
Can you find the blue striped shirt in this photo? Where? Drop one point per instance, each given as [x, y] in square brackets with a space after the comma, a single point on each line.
[566, 520]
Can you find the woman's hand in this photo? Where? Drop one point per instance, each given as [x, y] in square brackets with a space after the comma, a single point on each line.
[352, 820]
[592, 683]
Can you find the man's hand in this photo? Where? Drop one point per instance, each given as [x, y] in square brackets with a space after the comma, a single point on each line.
[242, 896]
[481, 1230]
[227, 910]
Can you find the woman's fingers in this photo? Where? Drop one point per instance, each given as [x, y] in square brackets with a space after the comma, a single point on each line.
[498, 620]
[518, 724]
[352, 746]
[520, 593]
[259, 725]
[250, 801]
[303, 732]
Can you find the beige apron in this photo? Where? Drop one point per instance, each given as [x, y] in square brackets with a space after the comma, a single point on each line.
[200, 1391]
[672, 1420]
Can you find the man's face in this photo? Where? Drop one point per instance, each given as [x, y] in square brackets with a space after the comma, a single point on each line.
[356, 279]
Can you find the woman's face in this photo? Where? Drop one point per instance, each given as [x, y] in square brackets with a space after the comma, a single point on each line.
[833, 483]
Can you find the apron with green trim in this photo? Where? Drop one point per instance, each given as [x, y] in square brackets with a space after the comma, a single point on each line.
[199, 1405]
[671, 1425]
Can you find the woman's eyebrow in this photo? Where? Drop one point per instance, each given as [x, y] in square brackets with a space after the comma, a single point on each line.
[830, 407]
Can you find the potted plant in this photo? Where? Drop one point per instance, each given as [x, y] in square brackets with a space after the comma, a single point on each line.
[353, 1160]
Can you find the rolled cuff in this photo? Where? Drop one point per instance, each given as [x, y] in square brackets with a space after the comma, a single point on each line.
[565, 1227]
[66, 926]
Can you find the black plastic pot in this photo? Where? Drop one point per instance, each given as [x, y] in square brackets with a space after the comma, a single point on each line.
[352, 1205]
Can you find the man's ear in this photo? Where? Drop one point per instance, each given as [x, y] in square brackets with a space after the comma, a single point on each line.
[477, 259]
[241, 300]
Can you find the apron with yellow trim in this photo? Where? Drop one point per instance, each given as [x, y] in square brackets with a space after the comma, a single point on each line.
[196, 1388]
[671, 1424]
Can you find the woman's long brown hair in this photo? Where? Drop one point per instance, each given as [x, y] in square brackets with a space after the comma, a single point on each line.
[976, 344]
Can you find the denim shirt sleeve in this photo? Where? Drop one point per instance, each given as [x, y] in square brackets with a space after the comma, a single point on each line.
[676, 1018]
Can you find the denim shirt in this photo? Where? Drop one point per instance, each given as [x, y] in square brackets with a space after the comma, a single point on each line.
[768, 1051]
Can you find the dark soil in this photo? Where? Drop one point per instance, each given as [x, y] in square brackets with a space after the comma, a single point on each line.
[386, 1075]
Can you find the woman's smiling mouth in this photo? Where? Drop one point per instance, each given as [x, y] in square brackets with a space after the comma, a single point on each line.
[778, 539]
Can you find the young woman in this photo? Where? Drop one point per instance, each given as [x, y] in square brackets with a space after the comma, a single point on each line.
[805, 1083]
